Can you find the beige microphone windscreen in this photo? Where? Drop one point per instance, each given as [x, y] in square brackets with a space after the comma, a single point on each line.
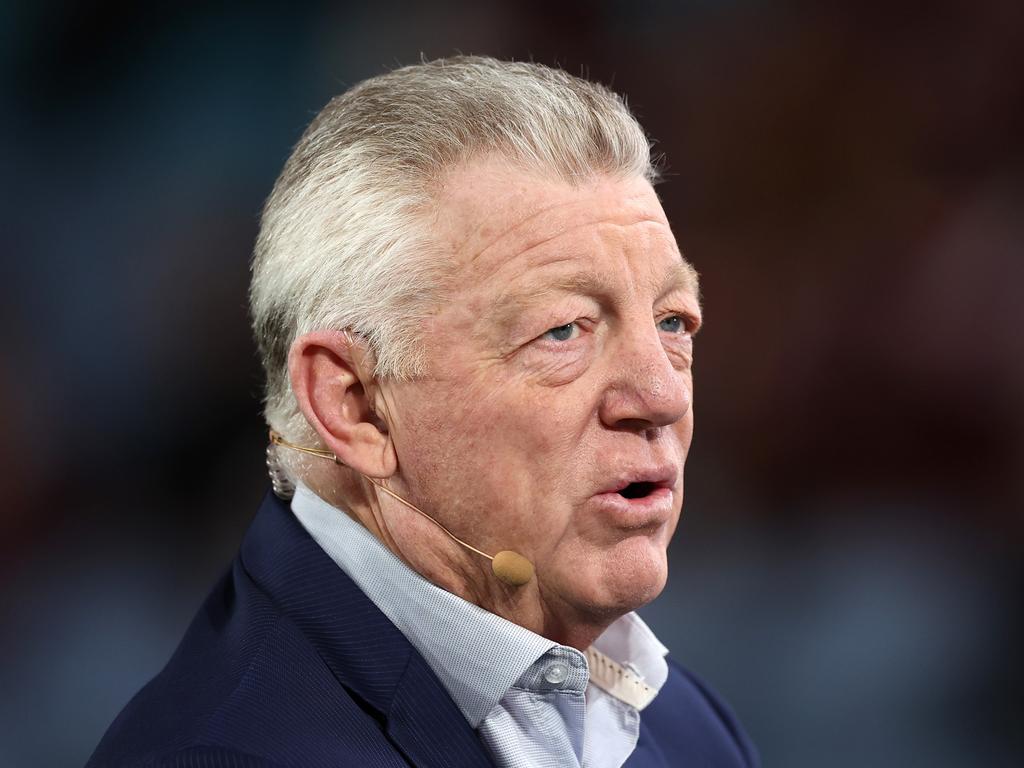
[512, 568]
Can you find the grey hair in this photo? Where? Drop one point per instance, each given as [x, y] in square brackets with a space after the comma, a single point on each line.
[345, 239]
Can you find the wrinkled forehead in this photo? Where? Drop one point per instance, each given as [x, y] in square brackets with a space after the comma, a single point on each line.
[490, 203]
[489, 212]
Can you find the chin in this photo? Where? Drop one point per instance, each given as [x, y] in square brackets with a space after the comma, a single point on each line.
[618, 582]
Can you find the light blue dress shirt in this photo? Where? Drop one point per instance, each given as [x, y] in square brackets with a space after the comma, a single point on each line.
[530, 699]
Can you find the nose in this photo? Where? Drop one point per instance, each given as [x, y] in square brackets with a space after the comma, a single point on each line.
[645, 390]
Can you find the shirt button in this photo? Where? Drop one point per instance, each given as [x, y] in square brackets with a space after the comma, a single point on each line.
[556, 673]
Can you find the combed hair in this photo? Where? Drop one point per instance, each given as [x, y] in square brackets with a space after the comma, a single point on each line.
[345, 240]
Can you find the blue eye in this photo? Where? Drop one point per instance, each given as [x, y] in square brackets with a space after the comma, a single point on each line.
[672, 324]
[562, 332]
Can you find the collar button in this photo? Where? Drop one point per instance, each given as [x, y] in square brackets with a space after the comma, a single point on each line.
[556, 674]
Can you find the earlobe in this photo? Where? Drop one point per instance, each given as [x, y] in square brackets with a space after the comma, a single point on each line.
[331, 391]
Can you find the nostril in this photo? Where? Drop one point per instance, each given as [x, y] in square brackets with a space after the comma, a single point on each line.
[637, 490]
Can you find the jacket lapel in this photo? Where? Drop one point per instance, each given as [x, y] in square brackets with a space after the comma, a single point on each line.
[427, 726]
[364, 650]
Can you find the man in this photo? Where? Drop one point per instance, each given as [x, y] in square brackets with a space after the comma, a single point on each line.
[477, 331]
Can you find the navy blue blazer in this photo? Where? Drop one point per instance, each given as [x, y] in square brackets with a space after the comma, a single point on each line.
[288, 663]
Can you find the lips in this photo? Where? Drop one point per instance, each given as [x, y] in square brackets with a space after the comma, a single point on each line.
[638, 499]
[641, 483]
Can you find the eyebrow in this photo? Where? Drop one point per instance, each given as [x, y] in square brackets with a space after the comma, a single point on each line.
[683, 277]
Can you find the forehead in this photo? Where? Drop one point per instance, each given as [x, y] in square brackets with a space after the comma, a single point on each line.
[489, 213]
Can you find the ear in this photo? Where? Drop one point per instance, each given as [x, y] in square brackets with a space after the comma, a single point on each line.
[331, 388]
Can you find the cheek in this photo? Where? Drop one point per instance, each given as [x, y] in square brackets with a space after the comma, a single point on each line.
[439, 429]
[486, 447]
[450, 438]
[551, 432]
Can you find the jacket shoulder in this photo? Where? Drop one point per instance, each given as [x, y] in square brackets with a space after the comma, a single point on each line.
[245, 689]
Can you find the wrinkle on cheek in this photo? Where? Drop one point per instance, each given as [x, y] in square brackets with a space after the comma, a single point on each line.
[554, 370]
[561, 436]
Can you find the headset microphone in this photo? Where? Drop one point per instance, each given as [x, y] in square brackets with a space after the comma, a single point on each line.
[509, 567]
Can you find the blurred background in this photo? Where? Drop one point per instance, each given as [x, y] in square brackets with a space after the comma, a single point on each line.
[849, 180]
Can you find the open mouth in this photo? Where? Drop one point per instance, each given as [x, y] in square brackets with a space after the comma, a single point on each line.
[638, 490]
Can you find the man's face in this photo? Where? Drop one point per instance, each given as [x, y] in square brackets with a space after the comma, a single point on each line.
[556, 412]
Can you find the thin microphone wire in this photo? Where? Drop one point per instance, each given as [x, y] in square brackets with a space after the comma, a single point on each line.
[277, 439]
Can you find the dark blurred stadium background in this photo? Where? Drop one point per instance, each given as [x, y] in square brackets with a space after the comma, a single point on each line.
[849, 180]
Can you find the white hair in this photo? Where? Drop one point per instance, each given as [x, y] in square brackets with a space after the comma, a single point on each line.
[344, 240]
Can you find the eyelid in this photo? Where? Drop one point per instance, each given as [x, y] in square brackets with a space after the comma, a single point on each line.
[582, 323]
[691, 324]
[573, 323]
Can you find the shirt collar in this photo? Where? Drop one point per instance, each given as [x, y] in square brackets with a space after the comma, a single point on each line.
[476, 654]
[631, 643]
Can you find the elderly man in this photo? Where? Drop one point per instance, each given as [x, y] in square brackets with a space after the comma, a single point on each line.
[477, 331]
